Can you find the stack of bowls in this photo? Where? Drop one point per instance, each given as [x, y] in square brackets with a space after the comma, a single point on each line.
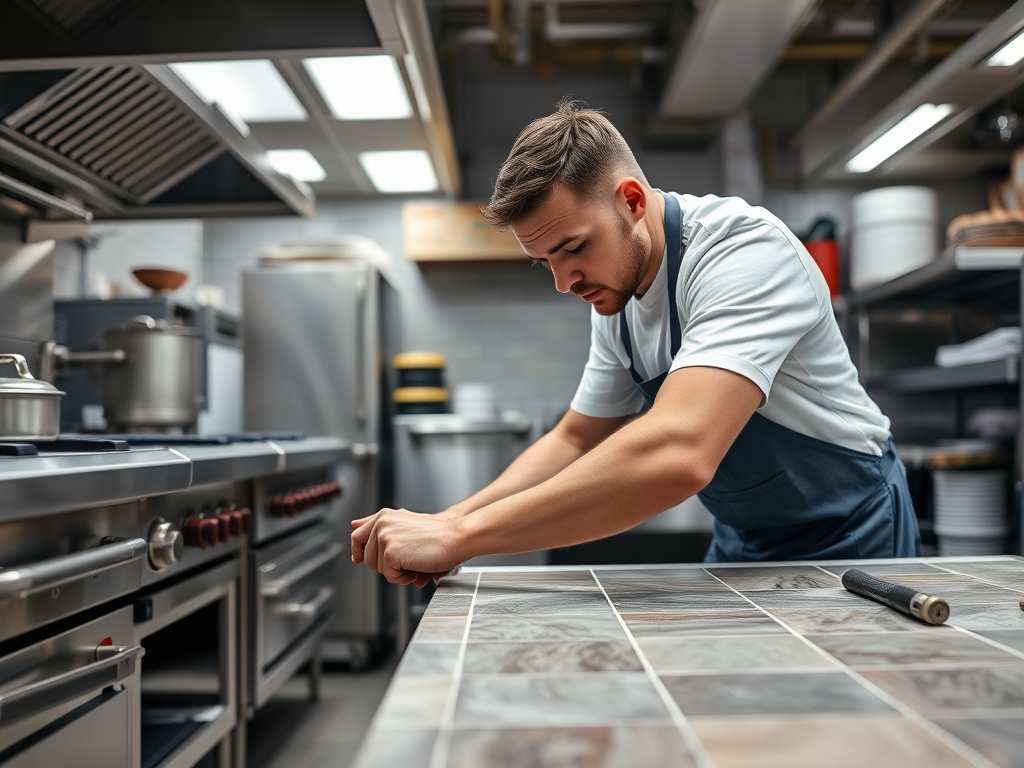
[421, 386]
[971, 511]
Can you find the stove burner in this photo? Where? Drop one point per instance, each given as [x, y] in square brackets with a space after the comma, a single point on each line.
[243, 437]
[113, 443]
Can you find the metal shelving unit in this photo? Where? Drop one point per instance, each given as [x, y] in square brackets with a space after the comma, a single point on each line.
[935, 379]
[960, 286]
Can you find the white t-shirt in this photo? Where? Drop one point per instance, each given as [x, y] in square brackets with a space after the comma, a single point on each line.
[752, 301]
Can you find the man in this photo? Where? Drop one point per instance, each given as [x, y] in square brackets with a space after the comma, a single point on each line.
[712, 315]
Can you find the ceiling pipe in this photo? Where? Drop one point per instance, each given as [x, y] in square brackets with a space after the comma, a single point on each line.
[889, 47]
[557, 32]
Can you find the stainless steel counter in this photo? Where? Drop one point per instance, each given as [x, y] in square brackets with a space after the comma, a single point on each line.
[33, 486]
[731, 665]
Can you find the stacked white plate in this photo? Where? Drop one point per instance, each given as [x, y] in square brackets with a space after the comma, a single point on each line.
[971, 511]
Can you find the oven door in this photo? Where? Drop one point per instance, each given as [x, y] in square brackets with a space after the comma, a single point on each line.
[69, 700]
[294, 581]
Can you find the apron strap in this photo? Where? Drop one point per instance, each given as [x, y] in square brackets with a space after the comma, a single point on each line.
[675, 248]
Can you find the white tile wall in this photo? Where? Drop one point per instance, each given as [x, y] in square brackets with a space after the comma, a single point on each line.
[499, 324]
[116, 248]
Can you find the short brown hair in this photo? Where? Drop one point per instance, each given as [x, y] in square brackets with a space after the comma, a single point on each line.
[574, 146]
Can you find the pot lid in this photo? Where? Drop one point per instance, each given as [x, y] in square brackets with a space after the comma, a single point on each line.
[25, 383]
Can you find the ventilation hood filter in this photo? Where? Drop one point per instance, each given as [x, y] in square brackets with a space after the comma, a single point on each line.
[121, 129]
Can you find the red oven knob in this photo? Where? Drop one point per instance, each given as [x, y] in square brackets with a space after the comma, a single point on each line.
[224, 526]
[240, 521]
[202, 532]
[334, 489]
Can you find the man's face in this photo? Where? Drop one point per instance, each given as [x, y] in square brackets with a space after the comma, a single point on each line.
[594, 251]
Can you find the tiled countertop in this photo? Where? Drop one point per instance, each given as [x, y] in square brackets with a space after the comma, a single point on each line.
[666, 666]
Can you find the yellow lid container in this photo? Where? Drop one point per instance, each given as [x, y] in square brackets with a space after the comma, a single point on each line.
[420, 395]
[407, 360]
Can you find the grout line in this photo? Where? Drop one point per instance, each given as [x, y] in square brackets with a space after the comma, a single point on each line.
[693, 743]
[439, 755]
[989, 641]
[963, 749]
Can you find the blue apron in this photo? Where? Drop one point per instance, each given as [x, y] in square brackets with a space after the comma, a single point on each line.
[781, 495]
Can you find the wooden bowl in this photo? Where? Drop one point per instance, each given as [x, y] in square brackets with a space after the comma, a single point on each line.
[161, 280]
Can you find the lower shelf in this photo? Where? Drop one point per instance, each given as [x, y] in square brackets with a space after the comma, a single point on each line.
[934, 379]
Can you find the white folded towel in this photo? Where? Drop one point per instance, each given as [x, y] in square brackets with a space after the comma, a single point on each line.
[996, 345]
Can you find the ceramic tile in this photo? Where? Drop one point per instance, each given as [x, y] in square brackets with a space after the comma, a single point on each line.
[562, 603]
[674, 655]
[615, 747]
[430, 659]
[879, 741]
[783, 693]
[693, 573]
[509, 588]
[866, 618]
[1011, 638]
[999, 739]
[521, 700]
[564, 657]
[553, 627]
[807, 598]
[771, 694]
[663, 586]
[1009, 573]
[447, 587]
[711, 622]
[413, 703]
[884, 570]
[564, 580]
[782, 577]
[440, 629]
[996, 615]
[449, 605]
[386, 749]
[636, 602]
[899, 649]
[933, 691]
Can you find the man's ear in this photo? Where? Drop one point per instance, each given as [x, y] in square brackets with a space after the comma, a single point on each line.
[631, 195]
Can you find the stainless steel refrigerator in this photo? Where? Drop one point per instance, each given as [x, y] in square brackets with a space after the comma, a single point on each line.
[319, 337]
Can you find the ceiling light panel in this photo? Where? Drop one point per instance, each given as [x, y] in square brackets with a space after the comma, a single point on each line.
[250, 91]
[297, 163]
[916, 124]
[361, 87]
[1010, 54]
[400, 171]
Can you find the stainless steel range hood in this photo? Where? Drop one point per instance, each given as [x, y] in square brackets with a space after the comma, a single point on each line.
[93, 123]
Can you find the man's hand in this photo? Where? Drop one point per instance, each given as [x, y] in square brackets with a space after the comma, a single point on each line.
[406, 547]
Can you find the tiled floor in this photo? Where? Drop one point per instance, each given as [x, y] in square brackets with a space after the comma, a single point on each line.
[725, 666]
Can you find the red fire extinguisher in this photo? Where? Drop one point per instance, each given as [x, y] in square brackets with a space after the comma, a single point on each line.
[821, 243]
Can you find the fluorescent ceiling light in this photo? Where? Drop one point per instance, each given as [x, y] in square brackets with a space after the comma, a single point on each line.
[248, 91]
[297, 163]
[900, 135]
[402, 171]
[361, 87]
[1010, 54]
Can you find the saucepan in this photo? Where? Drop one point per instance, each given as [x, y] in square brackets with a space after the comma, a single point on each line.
[29, 408]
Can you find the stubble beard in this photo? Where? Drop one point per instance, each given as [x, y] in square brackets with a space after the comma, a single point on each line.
[635, 259]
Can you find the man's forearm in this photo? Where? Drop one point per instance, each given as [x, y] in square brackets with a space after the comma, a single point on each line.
[545, 458]
[635, 474]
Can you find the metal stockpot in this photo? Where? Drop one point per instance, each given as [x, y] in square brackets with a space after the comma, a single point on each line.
[29, 408]
[159, 385]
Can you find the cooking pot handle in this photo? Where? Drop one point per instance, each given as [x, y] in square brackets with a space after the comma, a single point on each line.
[20, 365]
[107, 670]
[20, 581]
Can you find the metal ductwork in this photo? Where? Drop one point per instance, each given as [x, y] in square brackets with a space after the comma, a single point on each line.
[731, 47]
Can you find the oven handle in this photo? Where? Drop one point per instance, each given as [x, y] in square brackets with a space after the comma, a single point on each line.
[279, 587]
[310, 609]
[117, 664]
[20, 581]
